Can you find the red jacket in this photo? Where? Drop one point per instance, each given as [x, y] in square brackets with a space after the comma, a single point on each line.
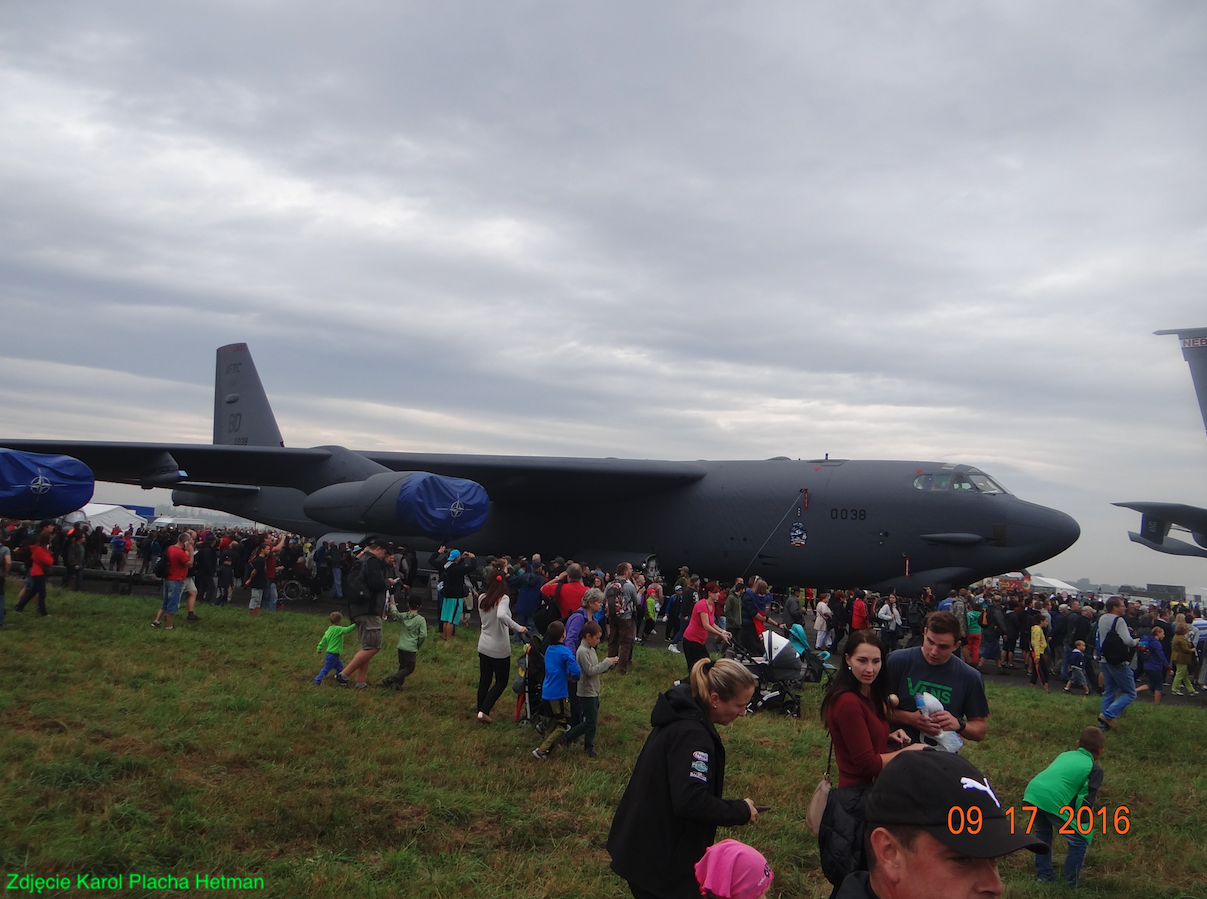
[859, 615]
[40, 561]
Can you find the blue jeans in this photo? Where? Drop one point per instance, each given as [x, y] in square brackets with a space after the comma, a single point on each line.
[337, 582]
[270, 597]
[333, 663]
[1119, 684]
[527, 621]
[1078, 847]
[171, 596]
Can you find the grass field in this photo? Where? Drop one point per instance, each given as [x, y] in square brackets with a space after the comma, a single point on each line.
[208, 751]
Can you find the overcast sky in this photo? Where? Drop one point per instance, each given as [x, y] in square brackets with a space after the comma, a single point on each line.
[939, 231]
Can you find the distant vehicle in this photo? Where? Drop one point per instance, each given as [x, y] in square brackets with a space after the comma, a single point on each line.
[877, 524]
[1158, 519]
[167, 521]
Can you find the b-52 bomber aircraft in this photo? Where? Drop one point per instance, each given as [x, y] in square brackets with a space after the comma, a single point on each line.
[873, 524]
[1157, 519]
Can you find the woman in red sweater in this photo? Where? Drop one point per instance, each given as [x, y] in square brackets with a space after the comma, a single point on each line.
[855, 712]
[40, 561]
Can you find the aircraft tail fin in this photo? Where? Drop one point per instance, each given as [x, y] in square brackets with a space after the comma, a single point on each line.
[242, 414]
[1194, 351]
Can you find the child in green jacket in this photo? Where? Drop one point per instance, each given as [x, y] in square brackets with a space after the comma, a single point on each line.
[414, 632]
[331, 643]
[1068, 783]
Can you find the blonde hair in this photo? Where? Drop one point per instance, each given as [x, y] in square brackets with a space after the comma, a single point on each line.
[725, 677]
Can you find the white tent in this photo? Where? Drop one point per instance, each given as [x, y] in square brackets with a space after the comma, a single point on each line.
[103, 515]
[1052, 585]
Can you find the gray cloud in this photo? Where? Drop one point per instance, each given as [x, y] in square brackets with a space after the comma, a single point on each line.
[683, 231]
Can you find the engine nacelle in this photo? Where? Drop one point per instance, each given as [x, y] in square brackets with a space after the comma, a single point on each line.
[33, 485]
[403, 503]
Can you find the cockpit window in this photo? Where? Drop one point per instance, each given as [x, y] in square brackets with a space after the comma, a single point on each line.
[986, 484]
[968, 483]
[932, 481]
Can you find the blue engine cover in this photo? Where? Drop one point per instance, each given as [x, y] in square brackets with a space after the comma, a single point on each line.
[36, 486]
[441, 508]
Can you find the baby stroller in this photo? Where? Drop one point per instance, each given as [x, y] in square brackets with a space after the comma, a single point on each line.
[779, 672]
[528, 684]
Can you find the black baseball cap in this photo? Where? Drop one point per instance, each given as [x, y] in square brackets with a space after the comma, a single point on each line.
[920, 789]
[371, 542]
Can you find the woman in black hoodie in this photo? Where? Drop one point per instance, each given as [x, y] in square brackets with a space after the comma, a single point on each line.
[672, 807]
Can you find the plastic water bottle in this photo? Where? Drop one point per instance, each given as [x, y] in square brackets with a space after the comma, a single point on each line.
[948, 741]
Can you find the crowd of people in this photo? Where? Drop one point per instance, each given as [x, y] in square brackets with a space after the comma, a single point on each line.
[908, 691]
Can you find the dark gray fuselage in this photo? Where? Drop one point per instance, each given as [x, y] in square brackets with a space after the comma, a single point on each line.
[864, 523]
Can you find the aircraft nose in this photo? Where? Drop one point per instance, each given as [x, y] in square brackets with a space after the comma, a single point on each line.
[1042, 531]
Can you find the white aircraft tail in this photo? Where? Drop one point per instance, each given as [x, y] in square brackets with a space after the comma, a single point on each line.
[242, 414]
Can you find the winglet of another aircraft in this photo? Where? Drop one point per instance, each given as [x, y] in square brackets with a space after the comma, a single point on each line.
[1194, 351]
[242, 413]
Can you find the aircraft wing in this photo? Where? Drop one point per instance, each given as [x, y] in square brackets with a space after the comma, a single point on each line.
[162, 464]
[506, 478]
[1192, 518]
[1158, 518]
[516, 479]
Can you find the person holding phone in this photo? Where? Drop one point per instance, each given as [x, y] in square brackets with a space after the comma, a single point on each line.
[674, 795]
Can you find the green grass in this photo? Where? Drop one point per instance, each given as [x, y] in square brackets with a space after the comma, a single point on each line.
[206, 750]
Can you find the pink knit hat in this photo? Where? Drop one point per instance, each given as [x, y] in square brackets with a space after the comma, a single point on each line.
[733, 870]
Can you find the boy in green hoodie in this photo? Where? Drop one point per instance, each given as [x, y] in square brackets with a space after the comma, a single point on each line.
[331, 643]
[1069, 782]
[414, 632]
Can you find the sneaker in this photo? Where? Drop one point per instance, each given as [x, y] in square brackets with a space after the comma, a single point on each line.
[591, 753]
[540, 754]
[169, 628]
[1104, 722]
[193, 617]
[341, 680]
[673, 648]
[154, 624]
[363, 685]
[1179, 692]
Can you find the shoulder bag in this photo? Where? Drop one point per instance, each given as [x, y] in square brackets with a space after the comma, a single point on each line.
[821, 794]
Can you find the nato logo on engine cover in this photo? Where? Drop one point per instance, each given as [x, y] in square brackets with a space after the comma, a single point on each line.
[33, 485]
[441, 507]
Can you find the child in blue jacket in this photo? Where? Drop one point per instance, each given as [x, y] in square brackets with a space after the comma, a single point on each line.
[560, 665]
[1155, 663]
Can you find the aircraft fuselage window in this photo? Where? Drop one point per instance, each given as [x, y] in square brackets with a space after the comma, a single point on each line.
[959, 482]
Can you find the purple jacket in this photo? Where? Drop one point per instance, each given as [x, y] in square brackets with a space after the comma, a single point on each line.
[1154, 659]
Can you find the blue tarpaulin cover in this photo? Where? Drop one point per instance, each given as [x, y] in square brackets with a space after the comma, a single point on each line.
[440, 507]
[33, 485]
